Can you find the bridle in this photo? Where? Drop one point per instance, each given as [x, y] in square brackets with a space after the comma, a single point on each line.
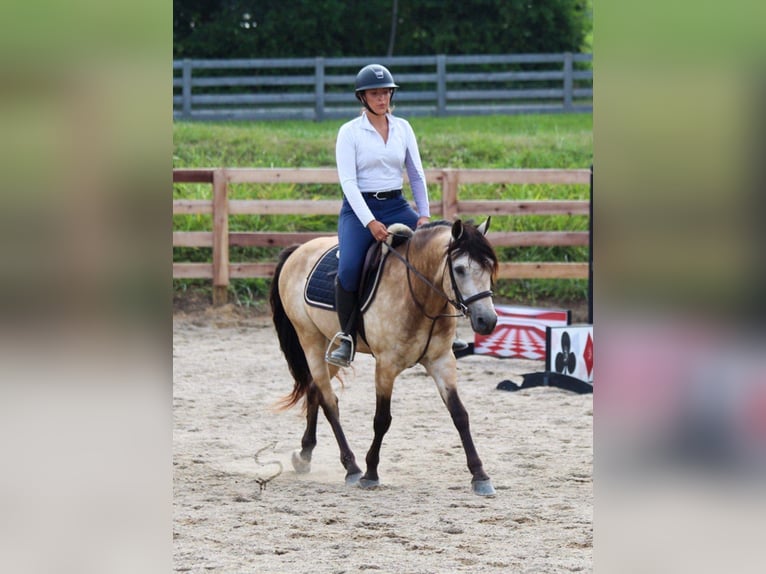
[460, 303]
[459, 299]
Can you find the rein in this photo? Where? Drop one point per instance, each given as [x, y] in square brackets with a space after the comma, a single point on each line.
[456, 303]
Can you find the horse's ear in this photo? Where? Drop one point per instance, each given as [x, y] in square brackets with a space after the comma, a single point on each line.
[457, 229]
[484, 227]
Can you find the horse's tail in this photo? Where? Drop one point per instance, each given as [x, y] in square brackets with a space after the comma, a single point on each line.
[288, 338]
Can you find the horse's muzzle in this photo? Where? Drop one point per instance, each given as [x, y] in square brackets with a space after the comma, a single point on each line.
[483, 323]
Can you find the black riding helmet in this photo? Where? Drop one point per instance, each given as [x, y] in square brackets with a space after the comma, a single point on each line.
[372, 77]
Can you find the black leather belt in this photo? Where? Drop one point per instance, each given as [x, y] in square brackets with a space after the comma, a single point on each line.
[385, 194]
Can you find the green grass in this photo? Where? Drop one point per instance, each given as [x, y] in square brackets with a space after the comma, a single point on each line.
[532, 141]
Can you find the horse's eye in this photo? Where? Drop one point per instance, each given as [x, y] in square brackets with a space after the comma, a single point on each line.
[460, 270]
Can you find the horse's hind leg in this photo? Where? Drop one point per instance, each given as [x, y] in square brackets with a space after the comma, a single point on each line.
[325, 398]
[302, 461]
[347, 459]
[314, 399]
[384, 383]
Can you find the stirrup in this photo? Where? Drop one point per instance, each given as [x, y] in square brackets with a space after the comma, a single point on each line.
[334, 345]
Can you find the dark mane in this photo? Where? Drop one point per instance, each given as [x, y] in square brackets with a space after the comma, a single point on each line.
[473, 242]
[437, 223]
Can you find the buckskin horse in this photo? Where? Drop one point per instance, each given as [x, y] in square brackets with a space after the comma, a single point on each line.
[443, 271]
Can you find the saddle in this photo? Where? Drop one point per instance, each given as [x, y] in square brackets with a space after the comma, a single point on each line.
[320, 284]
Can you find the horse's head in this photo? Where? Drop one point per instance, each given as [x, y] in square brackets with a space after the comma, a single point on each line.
[473, 269]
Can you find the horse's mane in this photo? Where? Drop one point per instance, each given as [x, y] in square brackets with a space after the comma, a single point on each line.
[471, 241]
[435, 223]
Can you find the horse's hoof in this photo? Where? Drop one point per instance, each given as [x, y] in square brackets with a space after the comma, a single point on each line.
[301, 466]
[483, 487]
[367, 483]
[352, 479]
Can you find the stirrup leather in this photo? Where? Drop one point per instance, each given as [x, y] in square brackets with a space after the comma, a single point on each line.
[334, 345]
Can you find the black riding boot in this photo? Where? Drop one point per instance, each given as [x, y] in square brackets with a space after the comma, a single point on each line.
[458, 344]
[348, 313]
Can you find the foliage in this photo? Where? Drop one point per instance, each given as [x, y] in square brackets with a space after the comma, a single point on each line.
[490, 26]
[334, 28]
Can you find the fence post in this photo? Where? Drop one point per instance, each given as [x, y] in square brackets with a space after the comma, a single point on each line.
[568, 81]
[449, 194]
[441, 85]
[319, 88]
[590, 251]
[220, 239]
[186, 89]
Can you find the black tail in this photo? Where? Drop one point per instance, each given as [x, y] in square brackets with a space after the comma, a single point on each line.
[288, 338]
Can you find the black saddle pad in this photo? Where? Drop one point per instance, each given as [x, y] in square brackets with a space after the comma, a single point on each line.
[320, 285]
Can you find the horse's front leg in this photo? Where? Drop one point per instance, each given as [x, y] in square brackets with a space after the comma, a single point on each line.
[384, 384]
[444, 373]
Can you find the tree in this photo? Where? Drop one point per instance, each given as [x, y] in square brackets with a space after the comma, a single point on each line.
[394, 18]
[308, 28]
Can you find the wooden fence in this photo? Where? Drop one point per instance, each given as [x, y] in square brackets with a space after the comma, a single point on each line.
[322, 88]
[221, 270]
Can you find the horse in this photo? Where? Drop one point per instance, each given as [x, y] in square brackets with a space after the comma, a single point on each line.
[409, 321]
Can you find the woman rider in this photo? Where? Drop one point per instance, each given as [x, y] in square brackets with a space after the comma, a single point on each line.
[372, 151]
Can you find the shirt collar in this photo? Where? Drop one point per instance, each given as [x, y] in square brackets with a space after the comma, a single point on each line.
[368, 126]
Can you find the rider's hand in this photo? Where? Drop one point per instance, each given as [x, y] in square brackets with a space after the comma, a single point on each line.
[422, 221]
[378, 230]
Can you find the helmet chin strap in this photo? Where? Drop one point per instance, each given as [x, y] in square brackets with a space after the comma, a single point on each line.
[363, 99]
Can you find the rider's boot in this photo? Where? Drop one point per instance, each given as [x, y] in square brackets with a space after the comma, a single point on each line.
[458, 344]
[348, 313]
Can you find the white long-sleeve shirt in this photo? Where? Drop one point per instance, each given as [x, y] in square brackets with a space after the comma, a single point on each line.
[366, 164]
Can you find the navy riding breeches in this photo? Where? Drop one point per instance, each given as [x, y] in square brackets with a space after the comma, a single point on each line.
[355, 240]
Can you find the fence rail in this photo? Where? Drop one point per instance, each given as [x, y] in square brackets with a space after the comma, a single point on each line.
[221, 270]
[441, 85]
